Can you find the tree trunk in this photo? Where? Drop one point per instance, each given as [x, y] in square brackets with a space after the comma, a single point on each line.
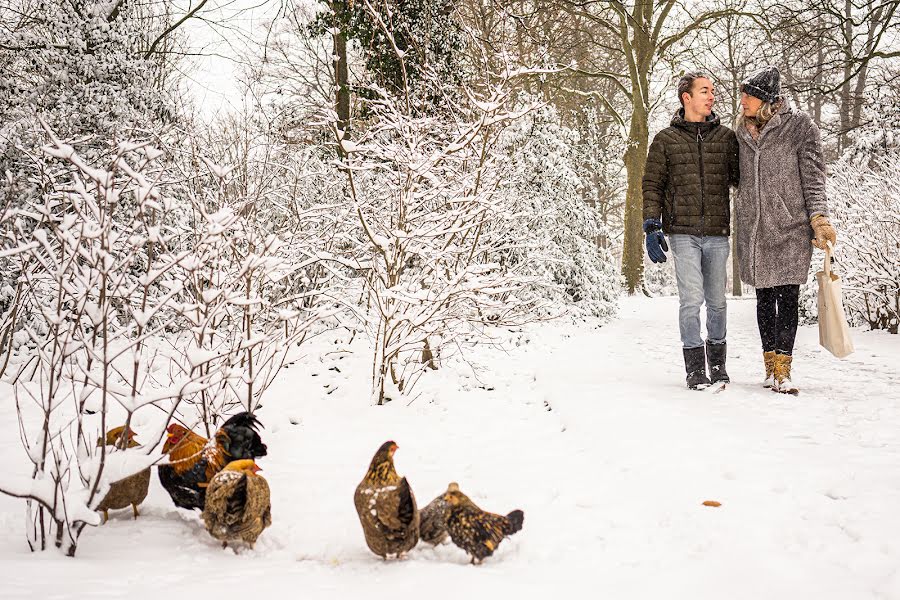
[639, 48]
[817, 97]
[341, 72]
[736, 288]
[862, 76]
[846, 99]
[635, 161]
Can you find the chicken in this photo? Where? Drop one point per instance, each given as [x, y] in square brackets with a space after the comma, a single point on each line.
[129, 491]
[386, 506]
[237, 504]
[194, 460]
[476, 531]
[433, 518]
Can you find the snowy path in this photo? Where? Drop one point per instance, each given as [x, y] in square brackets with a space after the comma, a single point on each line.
[591, 432]
[809, 485]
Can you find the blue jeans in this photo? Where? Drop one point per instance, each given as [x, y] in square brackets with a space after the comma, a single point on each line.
[700, 270]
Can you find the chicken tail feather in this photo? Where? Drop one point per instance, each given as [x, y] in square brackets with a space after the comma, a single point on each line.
[516, 518]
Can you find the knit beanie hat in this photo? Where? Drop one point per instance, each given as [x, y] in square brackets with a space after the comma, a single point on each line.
[765, 85]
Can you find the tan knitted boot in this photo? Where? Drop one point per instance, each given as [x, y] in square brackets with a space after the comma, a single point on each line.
[769, 360]
[783, 381]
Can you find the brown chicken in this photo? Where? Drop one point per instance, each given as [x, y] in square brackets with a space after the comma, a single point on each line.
[194, 460]
[476, 531]
[433, 518]
[238, 506]
[130, 491]
[386, 506]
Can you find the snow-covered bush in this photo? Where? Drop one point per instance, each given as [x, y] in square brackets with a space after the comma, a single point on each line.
[82, 66]
[425, 192]
[100, 285]
[865, 202]
[864, 199]
[241, 323]
[557, 230]
[136, 303]
[659, 279]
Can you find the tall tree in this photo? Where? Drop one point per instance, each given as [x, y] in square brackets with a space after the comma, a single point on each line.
[646, 33]
[729, 50]
[425, 33]
[827, 49]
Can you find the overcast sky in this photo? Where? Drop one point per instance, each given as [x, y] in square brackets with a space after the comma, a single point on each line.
[213, 79]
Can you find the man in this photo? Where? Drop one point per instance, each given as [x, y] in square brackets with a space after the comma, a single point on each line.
[690, 166]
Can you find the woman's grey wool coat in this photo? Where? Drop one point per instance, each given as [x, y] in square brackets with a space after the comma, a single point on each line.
[782, 187]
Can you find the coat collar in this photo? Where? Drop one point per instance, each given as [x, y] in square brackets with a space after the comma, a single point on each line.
[774, 123]
[780, 117]
[678, 121]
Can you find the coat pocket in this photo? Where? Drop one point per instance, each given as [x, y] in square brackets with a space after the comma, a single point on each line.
[780, 211]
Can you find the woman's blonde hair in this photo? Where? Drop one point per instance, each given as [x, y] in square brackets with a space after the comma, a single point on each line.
[765, 113]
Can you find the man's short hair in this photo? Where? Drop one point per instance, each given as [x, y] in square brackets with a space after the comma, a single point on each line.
[686, 83]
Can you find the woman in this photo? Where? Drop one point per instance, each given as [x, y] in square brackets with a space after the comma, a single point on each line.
[780, 207]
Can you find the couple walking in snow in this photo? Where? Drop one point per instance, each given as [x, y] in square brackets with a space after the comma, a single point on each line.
[774, 158]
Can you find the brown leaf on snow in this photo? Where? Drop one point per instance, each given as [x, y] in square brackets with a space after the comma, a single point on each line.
[711, 503]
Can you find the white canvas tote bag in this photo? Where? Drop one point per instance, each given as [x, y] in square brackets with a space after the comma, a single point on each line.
[834, 333]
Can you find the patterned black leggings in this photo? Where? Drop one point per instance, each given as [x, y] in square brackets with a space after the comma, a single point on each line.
[777, 315]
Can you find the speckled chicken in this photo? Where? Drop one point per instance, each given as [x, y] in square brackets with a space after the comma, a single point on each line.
[238, 505]
[130, 491]
[433, 518]
[476, 531]
[386, 506]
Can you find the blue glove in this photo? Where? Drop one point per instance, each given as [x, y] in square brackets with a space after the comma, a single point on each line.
[656, 241]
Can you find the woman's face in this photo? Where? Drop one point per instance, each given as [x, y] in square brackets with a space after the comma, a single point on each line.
[750, 104]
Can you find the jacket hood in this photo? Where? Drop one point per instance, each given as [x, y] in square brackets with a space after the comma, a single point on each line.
[678, 121]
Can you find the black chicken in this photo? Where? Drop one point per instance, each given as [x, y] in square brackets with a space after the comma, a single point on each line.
[194, 460]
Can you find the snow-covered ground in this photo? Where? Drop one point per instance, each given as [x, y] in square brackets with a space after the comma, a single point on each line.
[590, 431]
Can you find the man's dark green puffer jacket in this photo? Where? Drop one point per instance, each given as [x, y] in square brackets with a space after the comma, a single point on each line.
[690, 167]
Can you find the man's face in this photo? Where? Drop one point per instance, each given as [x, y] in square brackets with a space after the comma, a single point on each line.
[750, 104]
[701, 98]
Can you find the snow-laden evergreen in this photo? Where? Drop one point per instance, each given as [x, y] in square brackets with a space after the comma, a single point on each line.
[559, 232]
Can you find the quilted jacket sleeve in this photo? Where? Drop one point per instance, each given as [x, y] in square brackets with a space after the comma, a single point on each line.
[656, 175]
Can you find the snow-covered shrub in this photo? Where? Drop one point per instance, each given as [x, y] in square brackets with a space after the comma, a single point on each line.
[279, 187]
[241, 324]
[425, 194]
[865, 201]
[100, 286]
[82, 66]
[880, 136]
[133, 305]
[659, 279]
[557, 231]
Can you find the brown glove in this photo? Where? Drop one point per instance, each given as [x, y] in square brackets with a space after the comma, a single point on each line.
[824, 232]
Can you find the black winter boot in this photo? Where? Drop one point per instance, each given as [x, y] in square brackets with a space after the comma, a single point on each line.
[715, 357]
[695, 365]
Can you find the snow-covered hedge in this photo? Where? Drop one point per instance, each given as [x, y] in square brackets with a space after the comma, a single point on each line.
[558, 232]
[865, 201]
[864, 198]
